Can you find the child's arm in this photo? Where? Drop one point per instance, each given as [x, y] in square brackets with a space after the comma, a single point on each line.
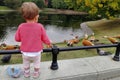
[17, 36]
[44, 37]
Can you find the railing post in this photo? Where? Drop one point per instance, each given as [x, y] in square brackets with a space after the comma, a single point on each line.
[55, 51]
[116, 56]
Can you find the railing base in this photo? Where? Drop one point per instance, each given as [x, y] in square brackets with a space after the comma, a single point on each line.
[54, 66]
[116, 58]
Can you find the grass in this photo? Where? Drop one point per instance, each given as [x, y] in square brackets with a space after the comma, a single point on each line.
[4, 8]
[105, 27]
[100, 27]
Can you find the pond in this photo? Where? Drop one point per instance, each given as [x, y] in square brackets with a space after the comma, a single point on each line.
[59, 27]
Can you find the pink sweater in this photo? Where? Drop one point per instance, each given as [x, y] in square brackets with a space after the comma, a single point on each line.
[32, 36]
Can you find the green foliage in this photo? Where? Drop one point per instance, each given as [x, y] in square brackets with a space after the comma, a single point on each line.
[71, 4]
[40, 3]
[4, 8]
[59, 4]
[27, 0]
[96, 8]
[104, 8]
[14, 4]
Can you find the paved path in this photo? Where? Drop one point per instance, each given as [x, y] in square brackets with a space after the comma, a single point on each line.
[91, 68]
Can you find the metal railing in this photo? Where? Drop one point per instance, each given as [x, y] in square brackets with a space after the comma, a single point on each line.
[55, 51]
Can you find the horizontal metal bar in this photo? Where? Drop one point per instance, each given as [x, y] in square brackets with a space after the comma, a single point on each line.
[9, 52]
[87, 47]
[47, 50]
[18, 51]
[62, 49]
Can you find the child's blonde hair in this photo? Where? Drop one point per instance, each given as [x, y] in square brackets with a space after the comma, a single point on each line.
[29, 10]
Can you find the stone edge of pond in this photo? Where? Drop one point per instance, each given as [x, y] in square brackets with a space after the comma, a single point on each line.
[91, 68]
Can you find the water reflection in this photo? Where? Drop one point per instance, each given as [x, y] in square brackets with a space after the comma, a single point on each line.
[58, 34]
[58, 27]
[9, 36]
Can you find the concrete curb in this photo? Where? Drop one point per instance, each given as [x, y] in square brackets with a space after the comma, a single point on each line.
[91, 68]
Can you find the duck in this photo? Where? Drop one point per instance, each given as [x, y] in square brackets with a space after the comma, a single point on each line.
[4, 46]
[86, 42]
[102, 52]
[70, 43]
[76, 40]
[6, 58]
[118, 36]
[93, 39]
[111, 39]
[73, 41]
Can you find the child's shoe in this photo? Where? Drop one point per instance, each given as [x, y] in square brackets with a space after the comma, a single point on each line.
[36, 74]
[26, 74]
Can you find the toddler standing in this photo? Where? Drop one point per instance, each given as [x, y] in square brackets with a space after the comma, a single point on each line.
[32, 35]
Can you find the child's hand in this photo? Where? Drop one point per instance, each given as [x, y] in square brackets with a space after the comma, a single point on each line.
[49, 46]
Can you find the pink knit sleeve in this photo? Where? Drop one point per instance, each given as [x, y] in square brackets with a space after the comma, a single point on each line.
[44, 37]
[17, 35]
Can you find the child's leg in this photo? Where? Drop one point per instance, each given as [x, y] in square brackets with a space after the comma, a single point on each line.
[36, 63]
[26, 65]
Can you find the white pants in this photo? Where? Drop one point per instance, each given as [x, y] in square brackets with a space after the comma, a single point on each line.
[27, 60]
